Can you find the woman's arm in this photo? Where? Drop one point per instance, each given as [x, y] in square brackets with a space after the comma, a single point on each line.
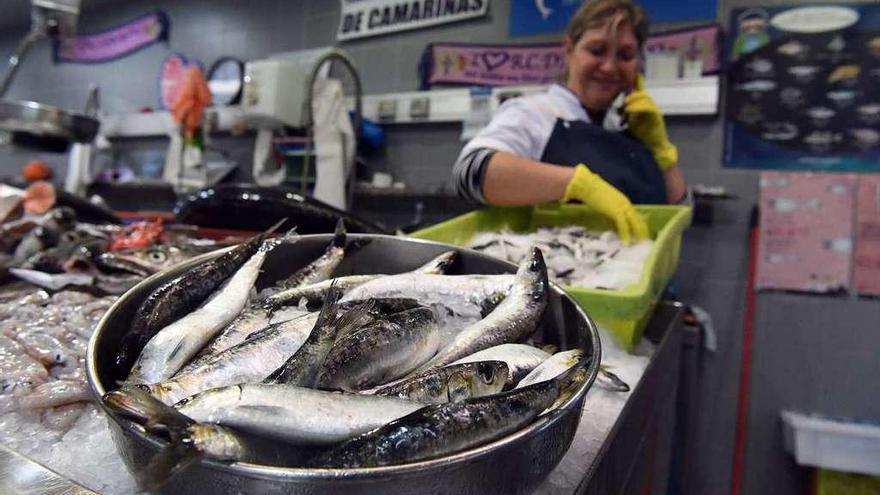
[676, 187]
[511, 180]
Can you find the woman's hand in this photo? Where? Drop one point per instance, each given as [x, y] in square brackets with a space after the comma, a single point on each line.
[645, 122]
[593, 191]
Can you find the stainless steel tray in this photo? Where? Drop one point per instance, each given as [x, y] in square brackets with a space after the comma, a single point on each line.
[514, 464]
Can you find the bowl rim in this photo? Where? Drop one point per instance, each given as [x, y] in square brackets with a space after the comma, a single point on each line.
[543, 422]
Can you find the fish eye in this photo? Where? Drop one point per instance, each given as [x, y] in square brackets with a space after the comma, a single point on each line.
[70, 236]
[157, 256]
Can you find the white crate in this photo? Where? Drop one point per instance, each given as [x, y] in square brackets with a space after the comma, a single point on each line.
[832, 443]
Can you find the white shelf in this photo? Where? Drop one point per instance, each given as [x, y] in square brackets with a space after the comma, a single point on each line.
[678, 97]
[160, 123]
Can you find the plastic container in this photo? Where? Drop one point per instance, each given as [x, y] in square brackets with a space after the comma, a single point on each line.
[841, 445]
[830, 482]
[624, 312]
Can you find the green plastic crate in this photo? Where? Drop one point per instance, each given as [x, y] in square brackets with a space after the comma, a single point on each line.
[624, 312]
[836, 483]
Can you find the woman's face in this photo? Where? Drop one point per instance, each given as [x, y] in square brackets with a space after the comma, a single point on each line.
[598, 69]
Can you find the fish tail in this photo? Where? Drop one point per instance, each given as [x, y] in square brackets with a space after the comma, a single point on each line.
[330, 308]
[188, 439]
[164, 465]
[275, 227]
[339, 234]
[353, 318]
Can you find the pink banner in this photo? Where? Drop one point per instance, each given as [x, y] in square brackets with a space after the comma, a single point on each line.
[509, 65]
[114, 43]
[492, 65]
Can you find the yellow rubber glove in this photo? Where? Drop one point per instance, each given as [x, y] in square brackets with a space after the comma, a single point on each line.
[593, 191]
[646, 123]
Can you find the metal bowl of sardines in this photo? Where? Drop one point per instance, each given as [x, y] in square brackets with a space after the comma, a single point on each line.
[330, 363]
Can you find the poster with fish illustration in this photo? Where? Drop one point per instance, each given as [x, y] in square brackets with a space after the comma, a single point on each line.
[806, 231]
[804, 88]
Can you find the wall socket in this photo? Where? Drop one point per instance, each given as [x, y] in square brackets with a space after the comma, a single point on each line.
[420, 108]
[387, 110]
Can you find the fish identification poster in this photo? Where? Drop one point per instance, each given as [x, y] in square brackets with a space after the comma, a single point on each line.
[803, 91]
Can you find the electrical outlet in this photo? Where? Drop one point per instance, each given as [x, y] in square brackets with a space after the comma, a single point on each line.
[387, 109]
[420, 108]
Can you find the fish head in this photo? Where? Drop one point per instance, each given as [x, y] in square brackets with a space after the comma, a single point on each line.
[533, 272]
[144, 261]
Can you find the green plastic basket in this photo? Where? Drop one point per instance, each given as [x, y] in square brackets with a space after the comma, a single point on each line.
[624, 312]
[836, 483]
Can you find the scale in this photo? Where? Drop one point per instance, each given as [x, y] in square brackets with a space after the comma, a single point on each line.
[35, 125]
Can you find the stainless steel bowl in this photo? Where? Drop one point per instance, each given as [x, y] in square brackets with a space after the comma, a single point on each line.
[513, 464]
[44, 126]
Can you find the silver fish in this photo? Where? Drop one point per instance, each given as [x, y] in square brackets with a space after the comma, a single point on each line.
[173, 346]
[457, 293]
[318, 270]
[520, 359]
[554, 366]
[189, 440]
[315, 293]
[293, 414]
[302, 368]
[451, 383]
[443, 429]
[253, 319]
[249, 362]
[178, 297]
[514, 318]
[382, 352]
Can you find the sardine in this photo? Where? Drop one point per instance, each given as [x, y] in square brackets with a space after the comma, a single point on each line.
[249, 362]
[302, 368]
[253, 319]
[318, 270]
[179, 297]
[189, 439]
[444, 429]
[451, 383]
[521, 359]
[173, 346]
[314, 293]
[293, 414]
[554, 366]
[513, 319]
[455, 292]
[384, 351]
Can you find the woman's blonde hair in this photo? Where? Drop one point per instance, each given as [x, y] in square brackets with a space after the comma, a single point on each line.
[611, 14]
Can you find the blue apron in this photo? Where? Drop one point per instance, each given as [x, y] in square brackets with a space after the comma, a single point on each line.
[617, 157]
